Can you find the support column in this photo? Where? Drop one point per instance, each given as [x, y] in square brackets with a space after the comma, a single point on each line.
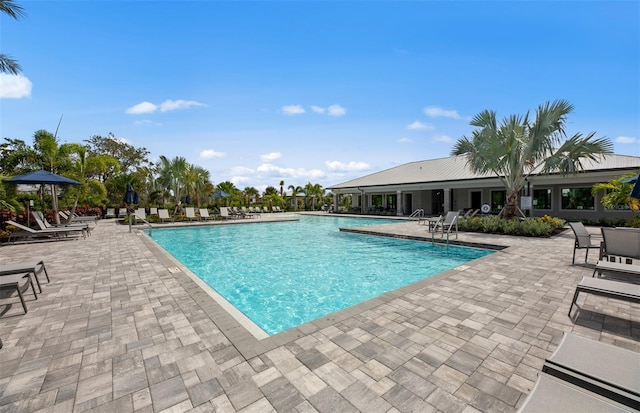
[335, 202]
[447, 199]
[400, 206]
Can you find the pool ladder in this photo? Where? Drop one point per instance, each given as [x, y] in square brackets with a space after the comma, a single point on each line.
[134, 217]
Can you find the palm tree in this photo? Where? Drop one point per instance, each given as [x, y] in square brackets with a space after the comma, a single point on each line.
[250, 192]
[518, 147]
[281, 188]
[7, 64]
[201, 183]
[295, 190]
[172, 175]
[618, 191]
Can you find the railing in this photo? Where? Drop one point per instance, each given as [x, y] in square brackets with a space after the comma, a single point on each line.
[134, 217]
[418, 213]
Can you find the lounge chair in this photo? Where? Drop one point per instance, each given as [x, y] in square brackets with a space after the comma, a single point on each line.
[190, 213]
[47, 233]
[621, 244]
[204, 214]
[610, 371]
[153, 211]
[122, 212]
[163, 214]
[224, 213]
[69, 217]
[42, 223]
[111, 213]
[582, 240]
[608, 288]
[616, 268]
[34, 267]
[140, 213]
[550, 394]
[13, 281]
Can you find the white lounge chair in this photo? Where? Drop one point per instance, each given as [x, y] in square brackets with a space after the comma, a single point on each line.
[111, 213]
[448, 223]
[163, 214]
[204, 214]
[190, 213]
[608, 288]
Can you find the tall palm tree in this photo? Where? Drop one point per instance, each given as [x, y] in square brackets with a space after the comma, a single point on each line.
[7, 64]
[520, 146]
[250, 192]
[201, 183]
[281, 188]
[172, 174]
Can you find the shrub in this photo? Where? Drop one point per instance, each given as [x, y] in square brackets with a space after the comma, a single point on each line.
[533, 227]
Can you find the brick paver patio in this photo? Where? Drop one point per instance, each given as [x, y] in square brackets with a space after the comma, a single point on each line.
[123, 328]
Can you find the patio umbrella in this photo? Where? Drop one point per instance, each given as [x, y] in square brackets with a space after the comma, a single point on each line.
[128, 195]
[636, 190]
[41, 177]
[631, 179]
[221, 194]
[187, 200]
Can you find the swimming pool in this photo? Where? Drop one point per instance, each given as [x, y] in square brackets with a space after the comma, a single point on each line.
[284, 274]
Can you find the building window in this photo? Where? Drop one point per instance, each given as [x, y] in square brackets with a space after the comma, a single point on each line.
[541, 199]
[376, 200]
[392, 201]
[498, 199]
[577, 198]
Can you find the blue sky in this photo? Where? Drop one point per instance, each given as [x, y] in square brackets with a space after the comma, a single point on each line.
[263, 91]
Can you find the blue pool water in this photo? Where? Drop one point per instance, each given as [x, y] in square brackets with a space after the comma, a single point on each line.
[284, 274]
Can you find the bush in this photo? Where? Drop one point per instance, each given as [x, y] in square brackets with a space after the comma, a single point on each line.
[531, 227]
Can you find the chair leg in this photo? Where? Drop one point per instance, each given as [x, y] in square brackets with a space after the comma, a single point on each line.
[574, 255]
[24, 306]
[575, 298]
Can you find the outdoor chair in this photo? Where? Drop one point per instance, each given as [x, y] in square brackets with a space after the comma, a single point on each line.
[190, 213]
[163, 214]
[111, 213]
[621, 244]
[605, 369]
[46, 233]
[13, 281]
[42, 223]
[608, 288]
[204, 214]
[224, 213]
[448, 223]
[582, 240]
[153, 211]
[34, 267]
[122, 212]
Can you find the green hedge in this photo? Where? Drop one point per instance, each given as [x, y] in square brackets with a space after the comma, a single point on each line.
[545, 226]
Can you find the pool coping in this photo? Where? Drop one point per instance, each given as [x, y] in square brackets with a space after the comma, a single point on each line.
[240, 333]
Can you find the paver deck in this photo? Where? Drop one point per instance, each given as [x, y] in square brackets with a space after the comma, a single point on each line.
[122, 327]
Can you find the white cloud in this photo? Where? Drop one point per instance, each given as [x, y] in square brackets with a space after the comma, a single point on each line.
[295, 173]
[240, 180]
[627, 139]
[442, 138]
[336, 110]
[142, 122]
[14, 86]
[405, 140]
[351, 166]
[169, 104]
[144, 107]
[270, 157]
[419, 125]
[210, 154]
[435, 112]
[318, 109]
[293, 110]
[121, 140]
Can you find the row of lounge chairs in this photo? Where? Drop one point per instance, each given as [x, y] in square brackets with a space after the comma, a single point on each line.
[191, 213]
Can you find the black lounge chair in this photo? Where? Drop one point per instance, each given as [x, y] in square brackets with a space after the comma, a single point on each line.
[34, 267]
[609, 371]
[608, 288]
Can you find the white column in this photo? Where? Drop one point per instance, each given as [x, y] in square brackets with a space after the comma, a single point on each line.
[400, 208]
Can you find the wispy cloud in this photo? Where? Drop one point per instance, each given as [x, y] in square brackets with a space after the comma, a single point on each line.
[294, 173]
[142, 122]
[169, 105]
[405, 140]
[318, 109]
[442, 138]
[292, 110]
[210, 154]
[350, 166]
[166, 106]
[627, 140]
[336, 110]
[417, 125]
[436, 112]
[270, 157]
[14, 86]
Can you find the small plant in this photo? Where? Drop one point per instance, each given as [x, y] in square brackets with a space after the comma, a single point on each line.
[531, 227]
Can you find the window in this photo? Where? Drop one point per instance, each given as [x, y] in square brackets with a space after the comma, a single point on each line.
[392, 201]
[541, 199]
[498, 199]
[376, 200]
[577, 198]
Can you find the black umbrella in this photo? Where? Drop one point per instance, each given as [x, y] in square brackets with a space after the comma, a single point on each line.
[128, 195]
[41, 177]
[221, 194]
[135, 198]
[187, 200]
[636, 190]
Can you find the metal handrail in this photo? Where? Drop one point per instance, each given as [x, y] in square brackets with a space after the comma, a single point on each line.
[136, 218]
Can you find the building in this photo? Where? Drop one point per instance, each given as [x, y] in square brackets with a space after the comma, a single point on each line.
[441, 185]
